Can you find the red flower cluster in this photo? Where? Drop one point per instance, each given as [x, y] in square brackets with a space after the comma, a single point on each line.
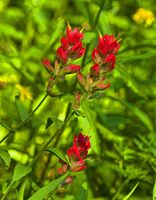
[77, 154]
[71, 46]
[104, 59]
[104, 53]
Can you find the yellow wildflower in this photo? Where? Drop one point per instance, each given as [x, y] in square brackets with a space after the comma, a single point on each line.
[24, 92]
[144, 16]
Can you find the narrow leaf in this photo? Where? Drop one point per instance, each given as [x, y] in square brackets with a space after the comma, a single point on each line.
[90, 118]
[21, 109]
[22, 190]
[131, 192]
[57, 152]
[45, 190]
[4, 155]
[19, 172]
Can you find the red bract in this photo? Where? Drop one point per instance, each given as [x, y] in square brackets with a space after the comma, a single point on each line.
[78, 152]
[47, 64]
[62, 55]
[71, 45]
[78, 165]
[107, 44]
[71, 69]
[104, 53]
[95, 70]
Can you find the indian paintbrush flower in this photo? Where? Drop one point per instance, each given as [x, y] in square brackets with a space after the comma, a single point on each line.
[71, 45]
[104, 53]
[77, 154]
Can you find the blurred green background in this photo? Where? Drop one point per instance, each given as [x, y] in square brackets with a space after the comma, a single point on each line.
[121, 123]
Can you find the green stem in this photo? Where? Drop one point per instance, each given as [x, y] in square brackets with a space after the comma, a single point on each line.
[98, 15]
[20, 125]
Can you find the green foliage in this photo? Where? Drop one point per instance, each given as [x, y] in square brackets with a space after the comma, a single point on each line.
[119, 121]
[58, 153]
[4, 155]
[49, 188]
[19, 172]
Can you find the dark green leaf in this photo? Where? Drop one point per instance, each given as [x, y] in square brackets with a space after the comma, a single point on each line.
[4, 155]
[19, 172]
[57, 152]
[45, 190]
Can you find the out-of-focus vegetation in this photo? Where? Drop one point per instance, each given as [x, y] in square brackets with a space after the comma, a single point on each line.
[121, 121]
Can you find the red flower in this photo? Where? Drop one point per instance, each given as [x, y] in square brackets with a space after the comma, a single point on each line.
[47, 64]
[104, 53]
[107, 44]
[71, 69]
[78, 165]
[102, 86]
[95, 70]
[78, 152]
[110, 61]
[71, 45]
[62, 55]
[80, 147]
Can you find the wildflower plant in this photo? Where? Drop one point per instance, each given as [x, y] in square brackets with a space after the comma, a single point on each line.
[77, 117]
[103, 57]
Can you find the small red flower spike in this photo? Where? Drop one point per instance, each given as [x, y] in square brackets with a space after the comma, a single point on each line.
[104, 53]
[77, 155]
[95, 70]
[47, 64]
[78, 152]
[110, 62]
[71, 69]
[102, 86]
[62, 55]
[80, 78]
[78, 165]
[71, 45]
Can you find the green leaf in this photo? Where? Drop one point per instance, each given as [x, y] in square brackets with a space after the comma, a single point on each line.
[140, 114]
[131, 192]
[4, 155]
[82, 192]
[21, 109]
[19, 172]
[45, 190]
[22, 190]
[89, 123]
[154, 191]
[57, 152]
